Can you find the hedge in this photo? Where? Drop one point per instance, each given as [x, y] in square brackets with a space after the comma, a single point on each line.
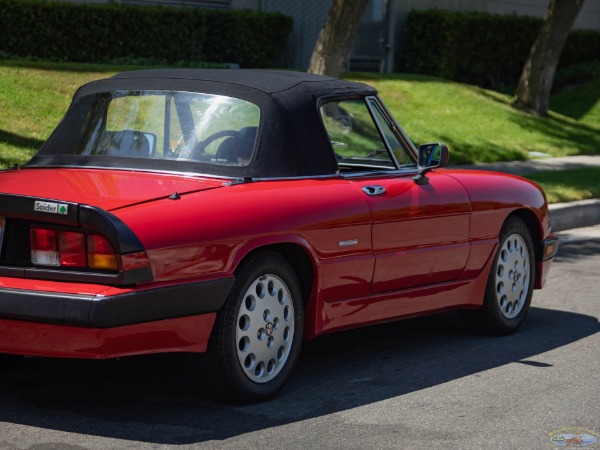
[248, 38]
[488, 50]
[43, 29]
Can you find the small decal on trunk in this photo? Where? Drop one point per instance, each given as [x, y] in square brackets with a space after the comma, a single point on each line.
[52, 208]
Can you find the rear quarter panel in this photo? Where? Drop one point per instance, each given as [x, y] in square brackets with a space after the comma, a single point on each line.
[207, 234]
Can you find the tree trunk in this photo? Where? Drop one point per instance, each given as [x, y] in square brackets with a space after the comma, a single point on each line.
[535, 84]
[330, 55]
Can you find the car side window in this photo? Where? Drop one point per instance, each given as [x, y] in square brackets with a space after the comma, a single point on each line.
[361, 136]
[391, 139]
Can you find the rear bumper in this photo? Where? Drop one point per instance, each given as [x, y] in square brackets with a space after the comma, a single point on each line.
[187, 334]
[175, 318]
[106, 311]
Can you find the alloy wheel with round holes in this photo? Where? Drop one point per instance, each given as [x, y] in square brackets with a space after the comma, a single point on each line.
[265, 328]
[510, 282]
[512, 276]
[257, 337]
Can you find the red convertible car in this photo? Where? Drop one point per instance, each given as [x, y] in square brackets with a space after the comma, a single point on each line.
[238, 212]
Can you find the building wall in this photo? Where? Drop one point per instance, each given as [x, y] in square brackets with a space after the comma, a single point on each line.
[254, 5]
[309, 17]
[375, 31]
[214, 4]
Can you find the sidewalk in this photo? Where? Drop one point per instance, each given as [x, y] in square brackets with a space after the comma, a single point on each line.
[564, 216]
[538, 165]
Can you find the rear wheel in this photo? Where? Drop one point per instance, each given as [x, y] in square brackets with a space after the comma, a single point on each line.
[510, 283]
[257, 337]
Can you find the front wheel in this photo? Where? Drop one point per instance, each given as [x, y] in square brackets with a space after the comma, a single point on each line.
[510, 282]
[257, 337]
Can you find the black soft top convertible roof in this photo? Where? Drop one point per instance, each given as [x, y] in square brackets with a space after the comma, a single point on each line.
[267, 81]
[292, 140]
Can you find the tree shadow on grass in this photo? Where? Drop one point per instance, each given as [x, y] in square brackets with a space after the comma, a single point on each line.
[19, 141]
[583, 139]
[577, 107]
[573, 138]
[574, 101]
[577, 101]
[577, 110]
[464, 152]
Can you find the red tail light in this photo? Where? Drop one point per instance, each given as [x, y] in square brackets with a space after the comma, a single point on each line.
[100, 253]
[62, 248]
[44, 247]
[71, 249]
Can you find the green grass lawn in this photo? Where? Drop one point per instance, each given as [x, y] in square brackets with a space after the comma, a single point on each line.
[479, 125]
[569, 185]
[33, 99]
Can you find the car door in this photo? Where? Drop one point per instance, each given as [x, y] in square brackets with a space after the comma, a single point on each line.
[420, 232]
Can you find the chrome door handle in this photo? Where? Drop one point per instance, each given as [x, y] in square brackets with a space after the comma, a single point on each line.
[374, 191]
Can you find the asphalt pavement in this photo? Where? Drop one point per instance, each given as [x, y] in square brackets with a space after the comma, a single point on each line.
[425, 384]
[564, 216]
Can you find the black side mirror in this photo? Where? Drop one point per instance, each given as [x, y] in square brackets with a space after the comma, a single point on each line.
[431, 156]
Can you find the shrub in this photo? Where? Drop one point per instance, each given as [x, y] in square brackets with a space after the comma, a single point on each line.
[107, 32]
[248, 38]
[582, 46]
[488, 50]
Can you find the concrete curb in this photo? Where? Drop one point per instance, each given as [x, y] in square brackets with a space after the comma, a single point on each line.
[565, 216]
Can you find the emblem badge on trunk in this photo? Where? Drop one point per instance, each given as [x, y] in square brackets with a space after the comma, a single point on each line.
[52, 208]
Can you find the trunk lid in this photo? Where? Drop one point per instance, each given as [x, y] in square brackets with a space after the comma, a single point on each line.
[107, 189]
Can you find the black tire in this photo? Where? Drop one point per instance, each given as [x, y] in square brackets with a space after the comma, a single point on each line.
[510, 283]
[257, 336]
